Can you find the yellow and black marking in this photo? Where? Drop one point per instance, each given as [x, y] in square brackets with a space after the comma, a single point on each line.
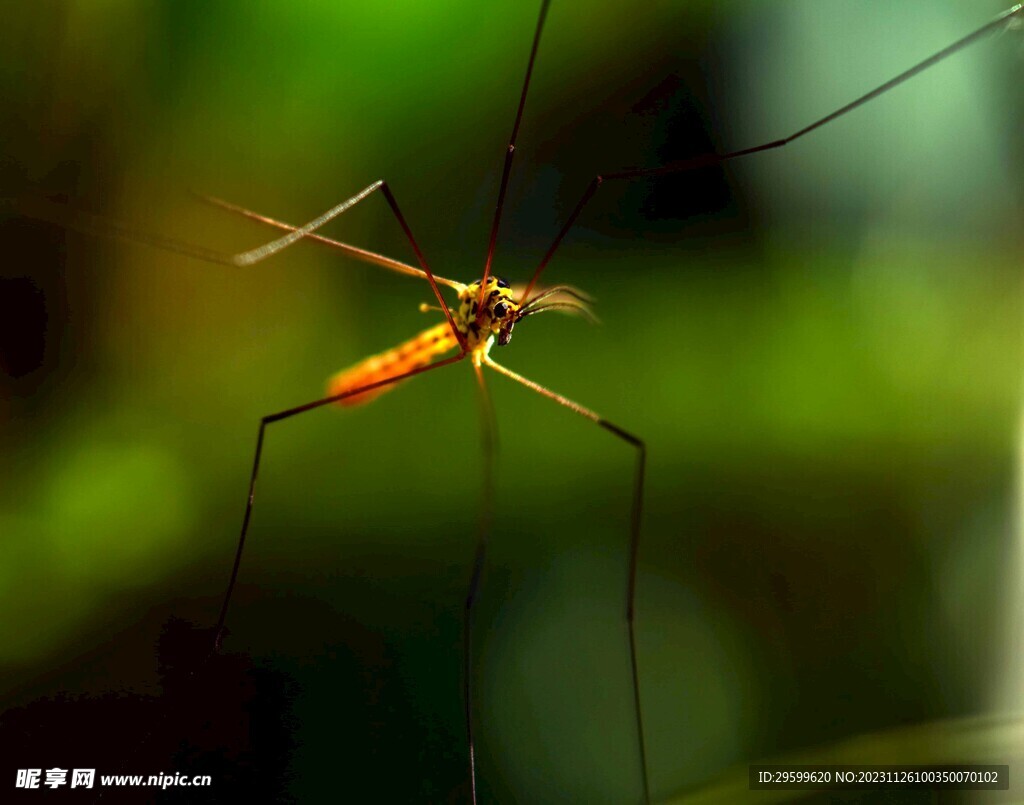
[478, 325]
[496, 317]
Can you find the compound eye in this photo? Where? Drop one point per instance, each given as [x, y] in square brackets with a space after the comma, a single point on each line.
[500, 310]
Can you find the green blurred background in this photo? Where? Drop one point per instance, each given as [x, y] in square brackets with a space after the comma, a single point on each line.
[821, 347]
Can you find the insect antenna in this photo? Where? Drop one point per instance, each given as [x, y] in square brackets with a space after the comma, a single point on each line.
[566, 290]
[571, 307]
[578, 302]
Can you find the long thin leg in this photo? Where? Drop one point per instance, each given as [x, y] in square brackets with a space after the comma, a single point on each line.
[489, 441]
[270, 419]
[193, 676]
[252, 256]
[707, 160]
[89, 224]
[636, 515]
[65, 216]
[283, 242]
[511, 150]
[352, 251]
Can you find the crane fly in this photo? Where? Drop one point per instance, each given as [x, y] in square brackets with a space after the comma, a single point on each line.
[480, 319]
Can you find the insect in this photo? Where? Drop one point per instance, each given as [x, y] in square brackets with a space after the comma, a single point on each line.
[500, 324]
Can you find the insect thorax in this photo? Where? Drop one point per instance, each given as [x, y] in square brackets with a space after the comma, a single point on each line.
[498, 311]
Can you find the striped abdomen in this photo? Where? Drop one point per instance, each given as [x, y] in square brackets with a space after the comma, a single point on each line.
[413, 354]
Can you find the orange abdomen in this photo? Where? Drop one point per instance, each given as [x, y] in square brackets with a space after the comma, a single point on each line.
[413, 354]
